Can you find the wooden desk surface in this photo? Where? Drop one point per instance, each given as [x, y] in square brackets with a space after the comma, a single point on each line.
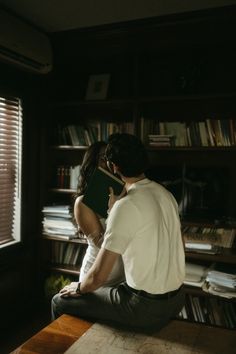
[55, 338]
[177, 337]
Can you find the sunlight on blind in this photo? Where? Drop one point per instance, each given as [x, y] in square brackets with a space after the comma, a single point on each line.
[10, 169]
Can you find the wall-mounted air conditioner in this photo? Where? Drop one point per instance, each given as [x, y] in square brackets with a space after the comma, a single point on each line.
[23, 45]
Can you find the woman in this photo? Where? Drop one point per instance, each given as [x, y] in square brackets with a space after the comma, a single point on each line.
[91, 224]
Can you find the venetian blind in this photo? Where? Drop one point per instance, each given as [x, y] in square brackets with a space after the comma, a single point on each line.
[10, 169]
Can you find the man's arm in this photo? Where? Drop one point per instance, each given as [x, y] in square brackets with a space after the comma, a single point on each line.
[96, 276]
[100, 270]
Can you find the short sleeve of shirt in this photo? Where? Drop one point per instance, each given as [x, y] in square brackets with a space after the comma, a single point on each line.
[119, 229]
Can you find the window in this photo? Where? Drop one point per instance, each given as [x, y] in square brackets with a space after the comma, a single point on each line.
[10, 169]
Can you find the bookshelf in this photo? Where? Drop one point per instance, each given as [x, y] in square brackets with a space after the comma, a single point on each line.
[61, 257]
[151, 83]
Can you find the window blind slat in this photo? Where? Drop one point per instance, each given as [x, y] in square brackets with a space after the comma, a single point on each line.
[5, 239]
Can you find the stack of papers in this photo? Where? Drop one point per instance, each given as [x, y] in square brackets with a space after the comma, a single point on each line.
[221, 284]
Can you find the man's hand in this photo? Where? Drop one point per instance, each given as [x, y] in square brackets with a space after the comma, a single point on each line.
[113, 198]
[69, 290]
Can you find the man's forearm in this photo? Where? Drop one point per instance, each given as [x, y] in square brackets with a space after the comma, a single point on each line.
[90, 283]
[99, 272]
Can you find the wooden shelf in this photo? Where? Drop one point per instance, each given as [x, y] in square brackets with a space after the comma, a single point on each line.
[72, 240]
[62, 190]
[61, 268]
[69, 147]
[228, 255]
[187, 97]
[103, 103]
[193, 149]
[145, 99]
[196, 291]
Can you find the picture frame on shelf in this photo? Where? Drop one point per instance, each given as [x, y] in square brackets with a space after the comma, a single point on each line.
[97, 87]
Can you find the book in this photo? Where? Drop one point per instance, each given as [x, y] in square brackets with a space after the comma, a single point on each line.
[96, 195]
[198, 245]
[202, 248]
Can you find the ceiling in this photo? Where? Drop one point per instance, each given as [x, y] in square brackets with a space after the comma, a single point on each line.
[60, 15]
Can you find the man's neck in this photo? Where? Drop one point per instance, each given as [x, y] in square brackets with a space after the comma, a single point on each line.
[131, 180]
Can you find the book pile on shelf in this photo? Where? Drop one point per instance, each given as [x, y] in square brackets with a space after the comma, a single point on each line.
[221, 281]
[58, 222]
[67, 177]
[195, 274]
[70, 254]
[208, 240]
[215, 279]
[157, 140]
[203, 133]
[202, 248]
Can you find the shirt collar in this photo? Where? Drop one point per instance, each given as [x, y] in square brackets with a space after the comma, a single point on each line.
[142, 182]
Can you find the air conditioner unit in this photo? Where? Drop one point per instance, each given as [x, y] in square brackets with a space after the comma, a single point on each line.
[23, 45]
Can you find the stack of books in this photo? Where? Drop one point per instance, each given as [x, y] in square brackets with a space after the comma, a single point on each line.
[58, 221]
[157, 140]
[195, 274]
[201, 247]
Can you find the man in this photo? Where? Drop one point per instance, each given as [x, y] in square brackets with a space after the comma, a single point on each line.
[144, 228]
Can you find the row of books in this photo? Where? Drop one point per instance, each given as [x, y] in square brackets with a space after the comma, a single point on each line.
[213, 311]
[207, 132]
[67, 176]
[207, 239]
[85, 135]
[67, 253]
[58, 221]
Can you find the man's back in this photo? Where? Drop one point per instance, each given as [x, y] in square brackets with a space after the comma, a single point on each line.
[144, 227]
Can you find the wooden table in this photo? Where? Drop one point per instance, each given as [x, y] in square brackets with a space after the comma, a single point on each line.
[55, 338]
[177, 337]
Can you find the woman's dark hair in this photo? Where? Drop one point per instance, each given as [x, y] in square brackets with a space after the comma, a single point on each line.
[128, 153]
[90, 162]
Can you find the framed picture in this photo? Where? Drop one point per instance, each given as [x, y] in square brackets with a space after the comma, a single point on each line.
[97, 87]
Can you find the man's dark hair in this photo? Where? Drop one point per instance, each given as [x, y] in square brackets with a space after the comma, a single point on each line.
[128, 153]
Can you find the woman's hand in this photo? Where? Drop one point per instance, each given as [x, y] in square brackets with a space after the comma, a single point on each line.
[113, 198]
